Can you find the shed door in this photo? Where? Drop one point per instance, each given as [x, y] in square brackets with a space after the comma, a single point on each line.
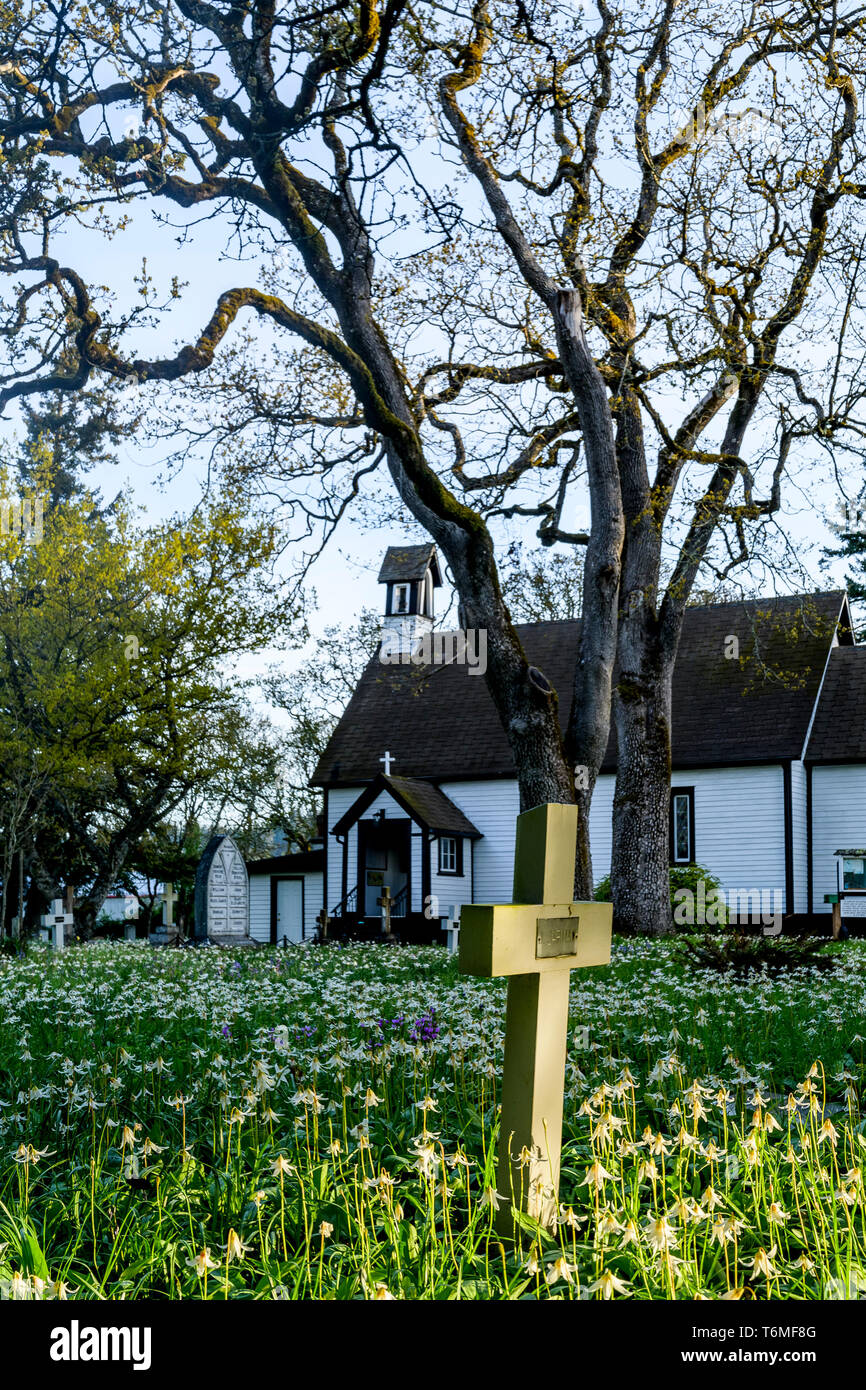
[290, 909]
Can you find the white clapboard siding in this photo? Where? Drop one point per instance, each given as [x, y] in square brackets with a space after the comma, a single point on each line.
[492, 808]
[260, 904]
[838, 822]
[312, 903]
[450, 889]
[600, 822]
[739, 833]
[799, 836]
[260, 907]
[339, 801]
[739, 824]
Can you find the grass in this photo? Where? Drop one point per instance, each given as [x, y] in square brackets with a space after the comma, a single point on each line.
[321, 1123]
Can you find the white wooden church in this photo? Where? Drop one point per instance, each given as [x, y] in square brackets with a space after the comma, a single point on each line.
[768, 785]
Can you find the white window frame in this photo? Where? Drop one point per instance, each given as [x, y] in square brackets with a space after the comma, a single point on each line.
[448, 854]
[686, 795]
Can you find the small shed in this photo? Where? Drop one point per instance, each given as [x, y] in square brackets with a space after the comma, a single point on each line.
[286, 896]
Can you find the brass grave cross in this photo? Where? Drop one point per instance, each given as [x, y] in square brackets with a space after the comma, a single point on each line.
[537, 940]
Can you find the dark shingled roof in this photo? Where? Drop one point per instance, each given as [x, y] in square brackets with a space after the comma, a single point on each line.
[403, 563]
[839, 731]
[440, 722]
[426, 804]
[304, 862]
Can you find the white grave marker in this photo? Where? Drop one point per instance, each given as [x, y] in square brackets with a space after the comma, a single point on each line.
[451, 928]
[130, 916]
[53, 924]
[222, 895]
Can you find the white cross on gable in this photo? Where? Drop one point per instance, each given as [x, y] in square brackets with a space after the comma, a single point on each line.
[388, 760]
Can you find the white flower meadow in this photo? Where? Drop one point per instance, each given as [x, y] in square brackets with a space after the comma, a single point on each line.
[322, 1121]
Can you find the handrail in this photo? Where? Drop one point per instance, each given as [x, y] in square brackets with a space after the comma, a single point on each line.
[348, 905]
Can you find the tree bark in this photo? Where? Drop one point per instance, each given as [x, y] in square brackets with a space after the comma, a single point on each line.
[646, 650]
[588, 729]
[640, 856]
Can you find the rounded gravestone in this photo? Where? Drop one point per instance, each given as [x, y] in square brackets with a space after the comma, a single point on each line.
[222, 895]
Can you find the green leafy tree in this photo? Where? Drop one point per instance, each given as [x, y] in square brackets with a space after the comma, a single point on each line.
[73, 432]
[852, 546]
[114, 646]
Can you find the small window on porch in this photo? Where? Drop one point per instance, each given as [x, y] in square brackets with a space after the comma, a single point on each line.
[449, 855]
[682, 825]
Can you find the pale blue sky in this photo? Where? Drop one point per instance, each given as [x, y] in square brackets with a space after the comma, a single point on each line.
[345, 577]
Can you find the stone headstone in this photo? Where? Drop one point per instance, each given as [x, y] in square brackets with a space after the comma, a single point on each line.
[222, 895]
[451, 927]
[53, 924]
[130, 916]
[166, 933]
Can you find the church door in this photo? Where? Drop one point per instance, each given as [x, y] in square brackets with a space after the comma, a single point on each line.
[290, 909]
[383, 861]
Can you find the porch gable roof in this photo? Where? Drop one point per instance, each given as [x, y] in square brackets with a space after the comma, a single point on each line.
[422, 801]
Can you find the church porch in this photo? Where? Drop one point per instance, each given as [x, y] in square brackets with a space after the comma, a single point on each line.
[398, 835]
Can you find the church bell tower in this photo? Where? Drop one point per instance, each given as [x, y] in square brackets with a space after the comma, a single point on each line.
[411, 575]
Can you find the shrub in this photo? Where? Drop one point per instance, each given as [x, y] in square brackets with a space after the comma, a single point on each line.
[742, 953]
[684, 879]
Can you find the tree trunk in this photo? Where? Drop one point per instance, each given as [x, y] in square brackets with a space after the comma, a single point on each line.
[646, 650]
[589, 721]
[640, 861]
[525, 701]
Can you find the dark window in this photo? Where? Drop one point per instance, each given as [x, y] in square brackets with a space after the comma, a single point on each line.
[682, 825]
[450, 855]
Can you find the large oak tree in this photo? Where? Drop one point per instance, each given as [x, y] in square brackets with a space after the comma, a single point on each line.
[524, 253]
